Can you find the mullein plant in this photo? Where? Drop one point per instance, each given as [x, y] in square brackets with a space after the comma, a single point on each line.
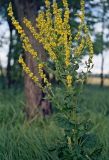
[65, 53]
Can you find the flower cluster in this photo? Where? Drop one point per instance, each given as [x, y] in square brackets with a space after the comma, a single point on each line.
[54, 33]
[47, 2]
[42, 75]
[28, 71]
[30, 27]
[43, 26]
[69, 80]
[67, 33]
[82, 16]
[26, 43]
[82, 35]
[62, 28]
[89, 42]
[79, 49]
[46, 31]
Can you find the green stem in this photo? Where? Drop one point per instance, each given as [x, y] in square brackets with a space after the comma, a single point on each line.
[75, 119]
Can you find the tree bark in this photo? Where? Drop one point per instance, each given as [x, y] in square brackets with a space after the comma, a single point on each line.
[102, 52]
[8, 75]
[33, 93]
[102, 70]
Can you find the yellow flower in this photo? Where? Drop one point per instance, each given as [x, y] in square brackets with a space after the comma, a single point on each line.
[26, 43]
[67, 38]
[80, 48]
[47, 3]
[42, 75]
[10, 11]
[89, 42]
[67, 59]
[54, 32]
[90, 46]
[69, 80]
[46, 33]
[82, 18]
[57, 17]
[27, 71]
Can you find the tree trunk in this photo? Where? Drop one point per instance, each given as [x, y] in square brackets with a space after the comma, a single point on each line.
[8, 75]
[2, 77]
[1, 69]
[33, 94]
[102, 52]
[102, 70]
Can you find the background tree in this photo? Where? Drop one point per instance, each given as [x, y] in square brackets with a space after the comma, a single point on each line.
[13, 68]
[34, 96]
[98, 15]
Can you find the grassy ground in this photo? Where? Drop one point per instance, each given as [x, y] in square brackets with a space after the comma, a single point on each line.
[95, 103]
[20, 140]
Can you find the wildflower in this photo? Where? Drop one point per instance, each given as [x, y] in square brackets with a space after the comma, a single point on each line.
[79, 49]
[67, 33]
[57, 18]
[69, 80]
[26, 43]
[82, 18]
[42, 75]
[46, 36]
[47, 2]
[90, 45]
[53, 31]
[67, 59]
[89, 42]
[28, 72]
[10, 11]
[30, 27]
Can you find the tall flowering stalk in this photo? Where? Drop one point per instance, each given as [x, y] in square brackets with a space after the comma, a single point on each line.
[54, 33]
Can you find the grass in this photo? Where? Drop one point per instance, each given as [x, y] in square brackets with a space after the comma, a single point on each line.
[96, 99]
[95, 103]
[20, 140]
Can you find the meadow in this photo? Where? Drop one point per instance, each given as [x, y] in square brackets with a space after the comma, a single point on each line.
[36, 139]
